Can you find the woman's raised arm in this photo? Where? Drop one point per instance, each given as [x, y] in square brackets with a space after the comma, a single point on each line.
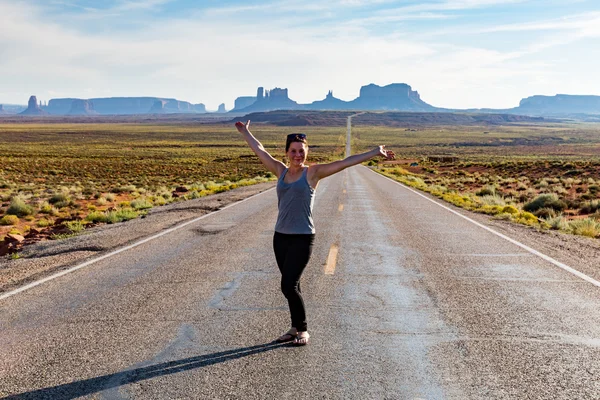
[325, 170]
[273, 165]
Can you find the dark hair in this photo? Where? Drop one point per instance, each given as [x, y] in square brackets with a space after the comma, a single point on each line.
[295, 137]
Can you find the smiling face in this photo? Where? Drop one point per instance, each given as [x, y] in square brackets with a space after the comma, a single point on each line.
[297, 154]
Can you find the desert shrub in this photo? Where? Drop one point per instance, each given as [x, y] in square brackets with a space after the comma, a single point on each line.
[210, 185]
[594, 189]
[193, 195]
[112, 217]
[526, 218]
[96, 216]
[159, 201]
[141, 204]
[75, 226]
[125, 204]
[547, 200]
[60, 200]
[125, 215]
[42, 223]
[557, 222]
[490, 209]
[488, 190]
[416, 180]
[590, 207]
[19, 208]
[568, 182]
[573, 203]
[522, 186]
[101, 201]
[510, 210]
[542, 184]
[439, 188]
[124, 189]
[559, 190]
[545, 212]
[45, 208]
[9, 220]
[459, 200]
[585, 227]
[493, 200]
[110, 197]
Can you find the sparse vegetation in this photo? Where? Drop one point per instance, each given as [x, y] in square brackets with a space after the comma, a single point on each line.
[118, 170]
[19, 208]
[9, 220]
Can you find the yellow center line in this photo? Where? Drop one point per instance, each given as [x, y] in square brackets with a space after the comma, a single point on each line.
[331, 260]
[341, 207]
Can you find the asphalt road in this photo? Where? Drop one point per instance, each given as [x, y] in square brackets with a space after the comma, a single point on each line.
[420, 304]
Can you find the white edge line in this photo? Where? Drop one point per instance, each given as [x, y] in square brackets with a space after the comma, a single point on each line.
[523, 246]
[122, 249]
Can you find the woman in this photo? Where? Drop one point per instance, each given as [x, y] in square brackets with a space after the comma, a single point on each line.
[294, 230]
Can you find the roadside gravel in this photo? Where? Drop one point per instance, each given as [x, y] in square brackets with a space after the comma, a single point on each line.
[47, 257]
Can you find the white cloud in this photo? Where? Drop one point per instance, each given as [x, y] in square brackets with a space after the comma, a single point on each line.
[212, 57]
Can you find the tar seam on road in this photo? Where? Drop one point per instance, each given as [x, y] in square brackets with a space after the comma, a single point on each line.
[521, 245]
[94, 260]
[331, 260]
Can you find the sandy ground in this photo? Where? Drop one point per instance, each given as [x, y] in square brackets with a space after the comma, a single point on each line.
[48, 257]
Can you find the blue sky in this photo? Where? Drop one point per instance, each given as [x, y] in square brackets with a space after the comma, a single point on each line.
[456, 53]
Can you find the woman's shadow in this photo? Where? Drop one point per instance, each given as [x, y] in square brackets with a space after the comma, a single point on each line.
[93, 385]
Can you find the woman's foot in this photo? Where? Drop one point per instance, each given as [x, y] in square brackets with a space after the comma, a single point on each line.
[302, 338]
[288, 336]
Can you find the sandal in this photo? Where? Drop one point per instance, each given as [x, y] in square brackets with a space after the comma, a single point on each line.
[287, 337]
[301, 339]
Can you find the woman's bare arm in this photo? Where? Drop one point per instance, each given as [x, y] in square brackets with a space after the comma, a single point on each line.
[273, 165]
[325, 170]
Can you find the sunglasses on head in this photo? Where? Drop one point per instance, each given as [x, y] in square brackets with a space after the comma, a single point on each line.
[296, 136]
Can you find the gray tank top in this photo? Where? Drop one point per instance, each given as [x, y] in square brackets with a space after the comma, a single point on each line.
[295, 201]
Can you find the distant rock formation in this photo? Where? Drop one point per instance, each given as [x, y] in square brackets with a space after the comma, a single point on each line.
[329, 103]
[127, 105]
[396, 97]
[158, 107]
[560, 104]
[82, 107]
[393, 97]
[243, 102]
[2, 110]
[33, 108]
[222, 108]
[267, 100]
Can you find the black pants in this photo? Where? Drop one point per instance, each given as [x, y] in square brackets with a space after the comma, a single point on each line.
[292, 253]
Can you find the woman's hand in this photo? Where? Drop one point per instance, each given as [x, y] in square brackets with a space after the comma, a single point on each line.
[388, 154]
[243, 128]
